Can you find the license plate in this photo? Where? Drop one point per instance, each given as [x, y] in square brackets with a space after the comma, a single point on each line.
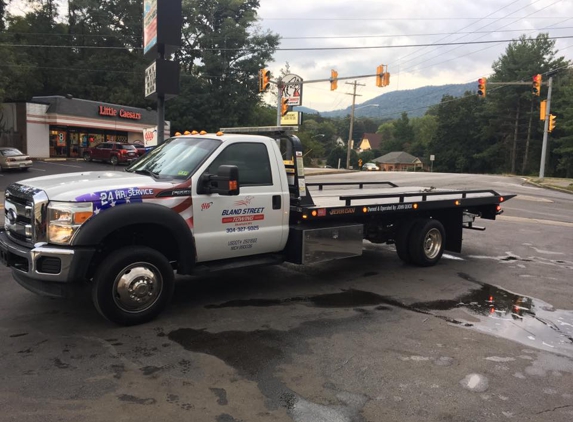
[22, 165]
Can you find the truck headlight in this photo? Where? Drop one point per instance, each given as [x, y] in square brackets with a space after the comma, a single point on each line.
[65, 218]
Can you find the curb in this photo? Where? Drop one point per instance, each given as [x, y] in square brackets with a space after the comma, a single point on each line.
[55, 159]
[529, 182]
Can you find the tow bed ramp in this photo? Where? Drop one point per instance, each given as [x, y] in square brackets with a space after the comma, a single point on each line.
[354, 202]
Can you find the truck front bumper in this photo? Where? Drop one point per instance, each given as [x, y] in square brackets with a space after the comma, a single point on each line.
[46, 270]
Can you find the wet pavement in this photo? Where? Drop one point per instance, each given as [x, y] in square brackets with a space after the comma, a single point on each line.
[485, 335]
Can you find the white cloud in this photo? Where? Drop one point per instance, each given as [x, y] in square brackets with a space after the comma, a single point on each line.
[409, 67]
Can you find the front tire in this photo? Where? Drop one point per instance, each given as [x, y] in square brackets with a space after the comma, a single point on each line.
[427, 240]
[133, 285]
[87, 157]
[113, 160]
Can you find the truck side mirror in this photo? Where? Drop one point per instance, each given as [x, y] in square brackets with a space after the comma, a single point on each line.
[226, 182]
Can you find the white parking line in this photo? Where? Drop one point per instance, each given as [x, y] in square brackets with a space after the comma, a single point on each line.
[63, 165]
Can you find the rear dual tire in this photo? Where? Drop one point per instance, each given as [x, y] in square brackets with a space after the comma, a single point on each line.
[420, 242]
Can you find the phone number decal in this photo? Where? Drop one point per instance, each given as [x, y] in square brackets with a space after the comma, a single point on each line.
[242, 229]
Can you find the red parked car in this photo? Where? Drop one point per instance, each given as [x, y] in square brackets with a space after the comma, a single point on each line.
[112, 152]
[141, 149]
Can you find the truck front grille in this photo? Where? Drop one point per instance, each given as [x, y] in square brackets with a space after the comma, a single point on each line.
[24, 209]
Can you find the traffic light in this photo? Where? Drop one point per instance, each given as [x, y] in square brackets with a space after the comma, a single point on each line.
[386, 79]
[482, 82]
[551, 123]
[536, 87]
[333, 80]
[264, 79]
[284, 106]
[380, 75]
[542, 109]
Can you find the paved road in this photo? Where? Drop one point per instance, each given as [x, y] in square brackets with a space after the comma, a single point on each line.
[364, 339]
[46, 168]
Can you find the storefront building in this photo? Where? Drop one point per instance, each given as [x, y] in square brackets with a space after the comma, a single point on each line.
[57, 126]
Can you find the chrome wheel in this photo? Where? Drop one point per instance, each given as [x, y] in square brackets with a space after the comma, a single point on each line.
[432, 243]
[137, 287]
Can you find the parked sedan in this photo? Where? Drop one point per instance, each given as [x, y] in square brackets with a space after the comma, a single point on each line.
[370, 167]
[12, 158]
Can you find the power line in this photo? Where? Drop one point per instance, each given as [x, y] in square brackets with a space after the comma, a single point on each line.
[443, 38]
[418, 35]
[282, 49]
[93, 47]
[71, 35]
[481, 27]
[500, 41]
[44, 34]
[389, 19]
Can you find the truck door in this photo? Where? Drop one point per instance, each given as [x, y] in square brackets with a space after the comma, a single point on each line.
[250, 223]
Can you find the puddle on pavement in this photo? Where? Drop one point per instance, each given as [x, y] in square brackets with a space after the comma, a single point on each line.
[524, 319]
[500, 313]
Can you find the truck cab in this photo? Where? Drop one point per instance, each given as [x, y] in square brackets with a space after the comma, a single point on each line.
[195, 199]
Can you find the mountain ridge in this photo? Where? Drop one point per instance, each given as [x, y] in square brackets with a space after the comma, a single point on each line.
[391, 105]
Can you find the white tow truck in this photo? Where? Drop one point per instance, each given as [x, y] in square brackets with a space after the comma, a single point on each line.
[207, 202]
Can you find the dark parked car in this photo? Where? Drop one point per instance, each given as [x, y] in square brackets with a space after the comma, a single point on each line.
[142, 149]
[112, 152]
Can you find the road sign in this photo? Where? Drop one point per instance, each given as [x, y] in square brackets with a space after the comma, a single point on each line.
[292, 118]
[432, 157]
[292, 90]
[150, 80]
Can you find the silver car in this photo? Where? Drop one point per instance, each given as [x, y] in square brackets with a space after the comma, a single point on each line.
[12, 158]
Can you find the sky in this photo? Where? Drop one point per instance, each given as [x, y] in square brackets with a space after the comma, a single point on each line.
[393, 23]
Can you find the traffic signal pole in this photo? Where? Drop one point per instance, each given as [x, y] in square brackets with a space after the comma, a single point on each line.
[279, 101]
[545, 129]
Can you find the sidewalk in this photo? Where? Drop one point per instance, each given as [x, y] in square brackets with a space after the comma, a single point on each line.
[562, 185]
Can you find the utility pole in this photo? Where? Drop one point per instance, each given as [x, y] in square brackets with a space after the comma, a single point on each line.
[354, 95]
[280, 87]
[545, 129]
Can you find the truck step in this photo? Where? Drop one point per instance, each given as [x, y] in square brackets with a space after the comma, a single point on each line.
[231, 264]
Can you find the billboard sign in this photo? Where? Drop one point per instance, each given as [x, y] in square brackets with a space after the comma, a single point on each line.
[292, 89]
[149, 25]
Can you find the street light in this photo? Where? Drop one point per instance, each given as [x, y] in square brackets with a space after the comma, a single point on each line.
[352, 128]
[320, 135]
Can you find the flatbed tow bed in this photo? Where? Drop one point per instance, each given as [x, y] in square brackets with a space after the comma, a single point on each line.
[384, 201]
[421, 221]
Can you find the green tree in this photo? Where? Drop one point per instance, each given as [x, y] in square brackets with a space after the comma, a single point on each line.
[424, 130]
[512, 109]
[457, 139]
[403, 132]
[562, 135]
[220, 58]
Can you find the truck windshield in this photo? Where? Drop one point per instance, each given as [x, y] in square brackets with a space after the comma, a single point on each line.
[177, 158]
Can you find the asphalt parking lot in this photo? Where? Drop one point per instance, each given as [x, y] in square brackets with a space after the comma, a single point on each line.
[485, 335]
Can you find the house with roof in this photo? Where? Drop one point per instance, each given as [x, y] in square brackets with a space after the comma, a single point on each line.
[399, 161]
[370, 141]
